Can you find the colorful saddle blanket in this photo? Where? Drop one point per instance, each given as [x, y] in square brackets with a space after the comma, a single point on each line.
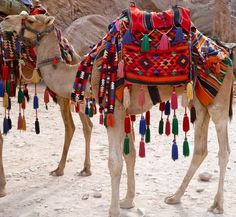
[158, 48]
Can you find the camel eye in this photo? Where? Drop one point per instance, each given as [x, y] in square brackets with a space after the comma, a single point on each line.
[31, 21]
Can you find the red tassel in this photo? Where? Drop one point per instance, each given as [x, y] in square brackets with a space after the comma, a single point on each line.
[147, 118]
[133, 118]
[101, 119]
[54, 61]
[77, 108]
[23, 105]
[127, 124]
[162, 106]
[186, 123]
[12, 89]
[164, 43]
[5, 72]
[110, 120]
[142, 149]
[167, 128]
[174, 101]
[20, 122]
[46, 96]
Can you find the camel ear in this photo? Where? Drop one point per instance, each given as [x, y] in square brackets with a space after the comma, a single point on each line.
[49, 20]
[24, 14]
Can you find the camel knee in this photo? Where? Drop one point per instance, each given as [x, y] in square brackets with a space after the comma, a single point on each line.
[223, 158]
[115, 167]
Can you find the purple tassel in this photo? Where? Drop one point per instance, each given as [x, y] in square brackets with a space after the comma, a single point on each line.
[5, 126]
[175, 154]
[179, 37]
[128, 37]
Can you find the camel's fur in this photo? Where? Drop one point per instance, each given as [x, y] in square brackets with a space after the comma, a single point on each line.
[218, 112]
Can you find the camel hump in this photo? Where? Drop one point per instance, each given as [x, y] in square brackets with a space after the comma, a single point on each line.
[12, 7]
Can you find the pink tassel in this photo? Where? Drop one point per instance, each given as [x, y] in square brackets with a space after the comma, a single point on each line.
[164, 43]
[167, 128]
[101, 119]
[117, 24]
[141, 98]
[121, 73]
[174, 101]
[142, 149]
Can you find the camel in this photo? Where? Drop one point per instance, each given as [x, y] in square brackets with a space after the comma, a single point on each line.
[65, 108]
[62, 84]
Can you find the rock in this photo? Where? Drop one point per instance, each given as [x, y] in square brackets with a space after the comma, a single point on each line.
[199, 190]
[97, 195]
[141, 211]
[85, 197]
[205, 177]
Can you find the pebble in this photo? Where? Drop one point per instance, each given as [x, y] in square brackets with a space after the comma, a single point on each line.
[199, 190]
[141, 211]
[205, 177]
[97, 195]
[85, 197]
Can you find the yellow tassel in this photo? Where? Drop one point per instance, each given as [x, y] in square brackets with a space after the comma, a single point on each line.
[190, 91]
[36, 78]
[5, 100]
[184, 101]
[23, 124]
[126, 98]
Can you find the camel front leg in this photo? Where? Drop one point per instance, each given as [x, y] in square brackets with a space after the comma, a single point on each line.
[69, 132]
[115, 162]
[2, 174]
[128, 201]
[199, 154]
[87, 129]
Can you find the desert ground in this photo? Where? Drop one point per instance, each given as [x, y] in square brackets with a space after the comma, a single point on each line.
[32, 192]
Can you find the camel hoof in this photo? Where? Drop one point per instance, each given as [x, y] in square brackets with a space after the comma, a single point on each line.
[216, 210]
[113, 213]
[127, 204]
[85, 172]
[173, 199]
[57, 172]
[2, 193]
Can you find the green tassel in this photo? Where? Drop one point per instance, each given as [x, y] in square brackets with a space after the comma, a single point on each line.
[175, 126]
[145, 46]
[161, 126]
[126, 146]
[148, 135]
[20, 96]
[186, 148]
[91, 112]
[105, 120]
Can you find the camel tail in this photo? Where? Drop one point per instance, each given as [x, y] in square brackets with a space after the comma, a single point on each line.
[231, 104]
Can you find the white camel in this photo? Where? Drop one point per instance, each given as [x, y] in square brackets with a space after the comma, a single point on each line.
[61, 80]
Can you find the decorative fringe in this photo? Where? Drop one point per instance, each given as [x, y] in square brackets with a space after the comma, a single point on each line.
[37, 127]
[161, 126]
[145, 46]
[174, 100]
[5, 126]
[175, 154]
[36, 102]
[179, 37]
[128, 37]
[142, 126]
[167, 108]
[193, 115]
[175, 126]
[167, 128]
[120, 71]
[110, 120]
[186, 148]
[126, 147]
[164, 43]
[142, 148]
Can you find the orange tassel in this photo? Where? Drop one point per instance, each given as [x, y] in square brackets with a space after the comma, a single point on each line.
[110, 120]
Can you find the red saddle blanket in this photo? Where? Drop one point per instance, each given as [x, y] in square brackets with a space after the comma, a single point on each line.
[158, 49]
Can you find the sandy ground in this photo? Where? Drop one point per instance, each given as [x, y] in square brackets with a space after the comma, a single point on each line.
[28, 159]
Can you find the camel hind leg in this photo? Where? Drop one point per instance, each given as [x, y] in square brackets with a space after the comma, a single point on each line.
[69, 132]
[199, 153]
[2, 175]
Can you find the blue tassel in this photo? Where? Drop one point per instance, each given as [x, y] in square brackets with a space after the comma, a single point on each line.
[5, 126]
[1, 89]
[167, 108]
[142, 126]
[179, 37]
[18, 47]
[9, 103]
[128, 37]
[36, 102]
[175, 154]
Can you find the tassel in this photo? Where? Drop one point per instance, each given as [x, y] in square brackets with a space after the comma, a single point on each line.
[36, 78]
[147, 118]
[175, 154]
[148, 135]
[8, 88]
[46, 98]
[5, 126]
[12, 89]
[91, 111]
[5, 101]
[36, 102]
[133, 118]
[117, 24]
[127, 124]
[190, 91]
[161, 126]
[167, 108]
[54, 61]
[145, 46]
[77, 108]
[126, 146]
[193, 115]
[20, 96]
[19, 123]
[186, 148]
[142, 149]
[186, 123]
[23, 123]
[1, 89]
[101, 119]
[164, 43]
[179, 37]
[141, 98]
[23, 105]
[37, 127]
[174, 101]
[9, 123]
[110, 120]
[126, 98]
[175, 127]
[167, 128]
[162, 106]
[94, 109]
[128, 37]
[5, 72]
[105, 120]
[184, 101]
[9, 104]
[87, 108]
[18, 47]
[142, 126]
[120, 70]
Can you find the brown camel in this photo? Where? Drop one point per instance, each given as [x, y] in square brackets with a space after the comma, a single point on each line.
[61, 84]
